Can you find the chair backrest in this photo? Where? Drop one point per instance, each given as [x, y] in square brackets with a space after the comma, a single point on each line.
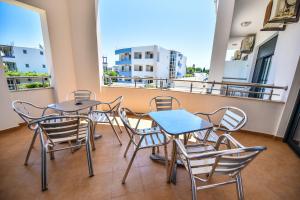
[233, 118]
[81, 95]
[59, 127]
[225, 162]
[28, 111]
[161, 103]
[232, 161]
[115, 105]
[123, 114]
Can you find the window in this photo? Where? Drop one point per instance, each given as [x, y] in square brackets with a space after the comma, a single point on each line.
[41, 53]
[24, 51]
[137, 55]
[44, 66]
[27, 65]
[149, 68]
[149, 55]
[138, 68]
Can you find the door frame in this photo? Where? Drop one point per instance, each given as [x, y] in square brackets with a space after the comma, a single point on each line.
[292, 126]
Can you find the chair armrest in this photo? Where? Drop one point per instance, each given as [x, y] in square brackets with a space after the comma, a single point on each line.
[231, 139]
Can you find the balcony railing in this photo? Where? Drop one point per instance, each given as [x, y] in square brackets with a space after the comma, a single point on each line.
[238, 89]
[16, 83]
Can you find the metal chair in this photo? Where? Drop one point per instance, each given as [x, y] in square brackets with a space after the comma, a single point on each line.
[82, 95]
[204, 162]
[108, 115]
[142, 138]
[56, 130]
[161, 103]
[29, 112]
[232, 119]
[79, 96]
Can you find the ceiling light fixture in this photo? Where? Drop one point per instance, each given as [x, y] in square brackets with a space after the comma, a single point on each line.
[246, 23]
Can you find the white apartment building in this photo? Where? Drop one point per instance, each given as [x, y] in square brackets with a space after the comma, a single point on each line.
[150, 62]
[24, 59]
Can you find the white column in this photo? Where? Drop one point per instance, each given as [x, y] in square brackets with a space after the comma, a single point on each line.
[225, 11]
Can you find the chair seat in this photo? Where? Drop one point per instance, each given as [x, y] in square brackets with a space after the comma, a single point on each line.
[213, 136]
[100, 117]
[153, 138]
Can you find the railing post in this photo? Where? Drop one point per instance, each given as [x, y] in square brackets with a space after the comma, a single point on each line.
[191, 87]
[15, 84]
[212, 87]
[271, 94]
[226, 92]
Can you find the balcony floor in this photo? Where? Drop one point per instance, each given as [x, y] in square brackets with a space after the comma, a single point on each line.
[273, 175]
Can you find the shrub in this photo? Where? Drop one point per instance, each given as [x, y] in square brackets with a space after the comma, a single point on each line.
[15, 73]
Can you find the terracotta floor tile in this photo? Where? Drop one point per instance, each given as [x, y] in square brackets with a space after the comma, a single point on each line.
[273, 175]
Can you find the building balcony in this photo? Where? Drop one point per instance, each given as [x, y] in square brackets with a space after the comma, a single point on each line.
[145, 175]
[125, 61]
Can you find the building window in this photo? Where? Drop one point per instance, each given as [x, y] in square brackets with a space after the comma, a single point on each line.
[24, 51]
[149, 68]
[138, 68]
[137, 55]
[149, 55]
[44, 66]
[27, 65]
[41, 53]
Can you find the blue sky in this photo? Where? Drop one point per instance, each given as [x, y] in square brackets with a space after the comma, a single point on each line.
[185, 26]
[19, 26]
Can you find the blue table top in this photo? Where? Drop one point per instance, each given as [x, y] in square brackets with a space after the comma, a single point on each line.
[176, 122]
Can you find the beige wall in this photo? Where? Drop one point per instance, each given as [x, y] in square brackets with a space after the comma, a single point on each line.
[72, 42]
[7, 117]
[263, 116]
[39, 97]
[222, 32]
[295, 88]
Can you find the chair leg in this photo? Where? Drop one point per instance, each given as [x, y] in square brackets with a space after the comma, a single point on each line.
[44, 168]
[239, 187]
[115, 132]
[173, 162]
[51, 153]
[118, 125]
[89, 158]
[127, 148]
[167, 160]
[130, 163]
[93, 136]
[194, 189]
[31, 146]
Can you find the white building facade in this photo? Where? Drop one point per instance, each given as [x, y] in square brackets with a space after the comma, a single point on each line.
[24, 59]
[150, 62]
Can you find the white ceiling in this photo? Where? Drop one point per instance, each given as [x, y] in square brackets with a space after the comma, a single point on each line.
[248, 10]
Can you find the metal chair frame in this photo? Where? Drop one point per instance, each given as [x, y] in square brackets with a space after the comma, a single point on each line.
[55, 130]
[21, 108]
[163, 103]
[204, 161]
[113, 106]
[82, 95]
[142, 138]
[230, 122]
